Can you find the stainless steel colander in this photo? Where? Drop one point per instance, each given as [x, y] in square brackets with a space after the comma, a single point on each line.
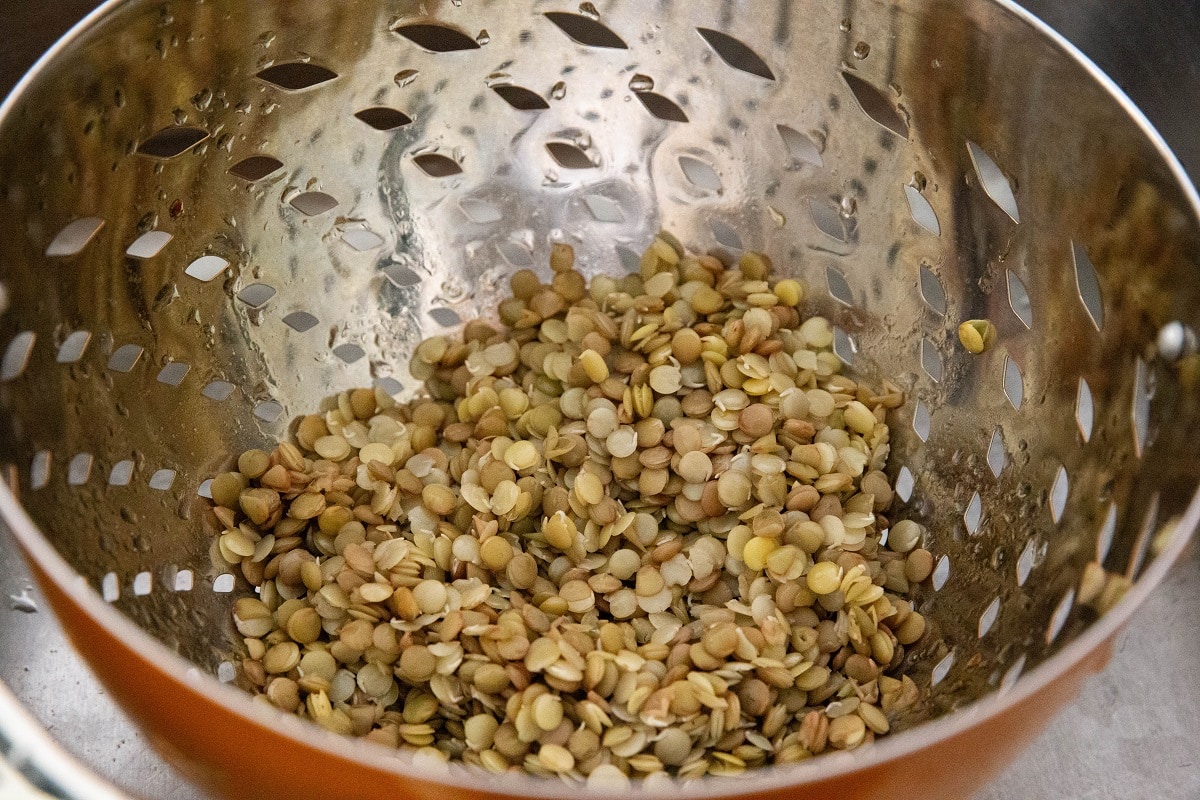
[212, 214]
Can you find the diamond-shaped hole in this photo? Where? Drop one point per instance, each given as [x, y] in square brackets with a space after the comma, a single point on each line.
[922, 211]
[800, 145]
[1018, 299]
[904, 484]
[1059, 618]
[973, 515]
[73, 347]
[988, 618]
[391, 386]
[997, 458]
[515, 254]
[726, 235]
[700, 174]
[480, 212]
[162, 479]
[1108, 529]
[74, 237]
[172, 142]
[921, 421]
[931, 360]
[1142, 546]
[16, 357]
[1084, 410]
[604, 209]
[223, 584]
[1025, 562]
[1088, 284]
[932, 292]
[520, 98]
[218, 390]
[206, 268]
[994, 182]
[876, 105]
[1010, 677]
[79, 470]
[446, 317]
[827, 219]
[401, 276]
[1140, 410]
[736, 53]
[436, 165]
[1014, 383]
[312, 204]
[586, 31]
[662, 107]
[142, 584]
[296, 75]
[110, 587]
[382, 118]
[569, 156]
[941, 573]
[256, 295]
[125, 358]
[255, 168]
[1058, 494]
[844, 346]
[437, 38]
[39, 469]
[268, 410]
[941, 669]
[121, 473]
[300, 321]
[184, 580]
[349, 352]
[839, 289]
[629, 258]
[361, 239]
[173, 374]
[149, 244]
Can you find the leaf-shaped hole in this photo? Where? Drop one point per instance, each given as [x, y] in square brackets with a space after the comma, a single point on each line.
[256, 295]
[255, 168]
[1058, 494]
[997, 458]
[922, 211]
[1088, 284]
[520, 98]
[921, 421]
[800, 145]
[349, 352]
[1085, 411]
[839, 288]
[436, 165]
[125, 358]
[1018, 299]
[1140, 411]
[16, 357]
[700, 174]
[827, 219]
[73, 347]
[437, 38]
[931, 361]
[311, 204]
[586, 31]
[1014, 383]
[206, 268]
[148, 245]
[171, 142]
[297, 75]
[932, 292]
[876, 105]
[480, 212]
[994, 182]
[382, 118]
[569, 156]
[301, 321]
[736, 53]
[726, 235]
[604, 209]
[662, 107]
[74, 237]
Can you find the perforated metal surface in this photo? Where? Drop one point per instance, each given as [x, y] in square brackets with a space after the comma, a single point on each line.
[1018, 459]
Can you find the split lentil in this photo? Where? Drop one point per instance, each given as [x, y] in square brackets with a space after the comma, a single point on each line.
[638, 531]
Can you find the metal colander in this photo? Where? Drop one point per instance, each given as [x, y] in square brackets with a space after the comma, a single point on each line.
[215, 213]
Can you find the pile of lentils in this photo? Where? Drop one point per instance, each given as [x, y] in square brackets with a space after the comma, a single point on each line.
[638, 531]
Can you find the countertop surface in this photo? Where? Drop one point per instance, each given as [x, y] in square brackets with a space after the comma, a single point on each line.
[1133, 733]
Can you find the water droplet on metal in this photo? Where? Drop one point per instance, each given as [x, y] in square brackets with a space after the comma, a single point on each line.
[589, 10]
[848, 207]
[845, 26]
[483, 38]
[777, 216]
[23, 602]
[641, 83]
[862, 50]
[406, 76]
[497, 79]
[559, 91]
